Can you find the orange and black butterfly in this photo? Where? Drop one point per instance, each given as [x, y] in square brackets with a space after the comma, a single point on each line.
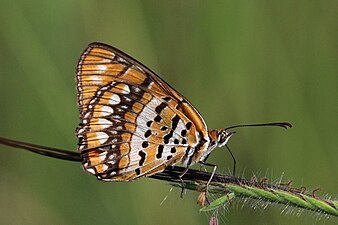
[133, 124]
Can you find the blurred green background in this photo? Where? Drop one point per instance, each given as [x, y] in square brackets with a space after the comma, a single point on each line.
[237, 61]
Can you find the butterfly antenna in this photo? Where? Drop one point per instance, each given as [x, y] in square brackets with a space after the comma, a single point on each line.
[285, 125]
[43, 150]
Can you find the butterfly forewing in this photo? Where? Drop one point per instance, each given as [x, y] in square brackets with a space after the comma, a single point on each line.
[133, 123]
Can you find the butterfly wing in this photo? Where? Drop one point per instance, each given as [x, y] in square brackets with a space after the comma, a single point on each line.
[133, 123]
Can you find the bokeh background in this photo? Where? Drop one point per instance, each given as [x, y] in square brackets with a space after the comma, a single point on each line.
[237, 61]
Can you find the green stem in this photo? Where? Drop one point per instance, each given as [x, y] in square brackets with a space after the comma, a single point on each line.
[230, 187]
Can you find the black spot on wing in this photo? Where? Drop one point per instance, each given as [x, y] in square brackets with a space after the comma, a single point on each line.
[147, 133]
[146, 82]
[157, 118]
[149, 123]
[164, 128]
[159, 151]
[173, 150]
[167, 137]
[145, 144]
[167, 98]
[143, 157]
[175, 121]
[160, 107]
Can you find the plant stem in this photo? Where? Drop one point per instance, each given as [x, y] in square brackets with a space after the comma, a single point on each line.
[229, 187]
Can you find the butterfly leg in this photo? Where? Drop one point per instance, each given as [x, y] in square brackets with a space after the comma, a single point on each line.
[212, 175]
[204, 162]
[182, 182]
[233, 159]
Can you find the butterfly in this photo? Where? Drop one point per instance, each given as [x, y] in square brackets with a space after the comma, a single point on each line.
[132, 123]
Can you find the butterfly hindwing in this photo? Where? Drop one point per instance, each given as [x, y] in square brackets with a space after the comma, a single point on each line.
[133, 124]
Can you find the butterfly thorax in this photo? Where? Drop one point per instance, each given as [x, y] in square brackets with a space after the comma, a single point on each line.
[218, 138]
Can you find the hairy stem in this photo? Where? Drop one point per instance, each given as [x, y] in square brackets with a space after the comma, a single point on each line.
[230, 187]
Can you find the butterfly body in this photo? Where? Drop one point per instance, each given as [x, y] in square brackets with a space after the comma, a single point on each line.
[133, 123]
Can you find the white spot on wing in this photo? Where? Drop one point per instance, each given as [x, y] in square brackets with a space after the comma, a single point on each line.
[102, 157]
[112, 158]
[91, 170]
[87, 115]
[137, 89]
[150, 85]
[102, 67]
[126, 89]
[112, 173]
[104, 123]
[81, 130]
[106, 110]
[102, 137]
[96, 79]
[114, 99]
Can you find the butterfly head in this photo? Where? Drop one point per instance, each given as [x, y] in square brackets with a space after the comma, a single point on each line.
[219, 138]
